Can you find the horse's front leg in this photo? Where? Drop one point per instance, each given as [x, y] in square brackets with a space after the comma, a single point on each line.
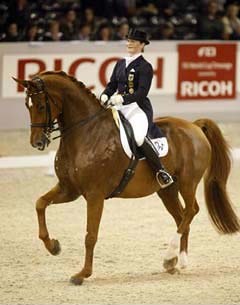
[174, 206]
[94, 213]
[55, 195]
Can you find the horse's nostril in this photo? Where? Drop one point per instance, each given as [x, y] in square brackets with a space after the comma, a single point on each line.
[39, 144]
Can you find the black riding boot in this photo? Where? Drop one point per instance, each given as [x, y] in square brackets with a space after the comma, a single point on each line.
[163, 178]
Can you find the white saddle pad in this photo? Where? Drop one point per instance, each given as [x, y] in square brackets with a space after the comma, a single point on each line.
[161, 144]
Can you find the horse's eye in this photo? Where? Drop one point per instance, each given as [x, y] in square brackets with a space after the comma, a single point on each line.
[41, 108]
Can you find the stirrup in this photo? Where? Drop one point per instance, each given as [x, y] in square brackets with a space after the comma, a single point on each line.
[169, 182]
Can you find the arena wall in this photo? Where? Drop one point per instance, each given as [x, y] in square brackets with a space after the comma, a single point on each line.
[191, 79]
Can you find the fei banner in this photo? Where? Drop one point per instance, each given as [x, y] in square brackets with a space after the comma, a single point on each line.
[206, 71]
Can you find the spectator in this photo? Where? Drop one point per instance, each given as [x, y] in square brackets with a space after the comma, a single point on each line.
[69, 25]
[130, 7]
[164, 32]
[232, 22]
[220, 4]
[89, 19]
[84, 32]
[54, 33]
[19, 13]
[32, 33]
[104, 33]
[98, 7]
[121, 32]
[12, 34]
[186, 18]
[210, 26]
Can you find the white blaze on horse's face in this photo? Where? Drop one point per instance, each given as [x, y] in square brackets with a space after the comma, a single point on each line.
[36, 105]
[39, 119]
[134, 46]
[30, 104]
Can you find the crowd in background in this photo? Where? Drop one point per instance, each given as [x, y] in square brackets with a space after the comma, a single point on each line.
[105, 20]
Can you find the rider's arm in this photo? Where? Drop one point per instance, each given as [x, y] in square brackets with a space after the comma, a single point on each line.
[111, 87]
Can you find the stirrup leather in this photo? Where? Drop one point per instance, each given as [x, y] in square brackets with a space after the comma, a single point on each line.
[170, 179]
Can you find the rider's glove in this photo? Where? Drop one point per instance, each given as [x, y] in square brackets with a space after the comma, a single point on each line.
[116, 100]
[104, 99]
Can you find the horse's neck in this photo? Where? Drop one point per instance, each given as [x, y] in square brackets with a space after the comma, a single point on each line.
[85, 123]
[77, 105]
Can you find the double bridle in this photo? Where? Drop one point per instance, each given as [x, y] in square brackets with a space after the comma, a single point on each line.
[49, 125]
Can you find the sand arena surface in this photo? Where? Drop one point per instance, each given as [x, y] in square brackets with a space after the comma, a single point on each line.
[128, 257]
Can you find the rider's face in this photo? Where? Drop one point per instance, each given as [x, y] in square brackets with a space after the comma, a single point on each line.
[134, 46]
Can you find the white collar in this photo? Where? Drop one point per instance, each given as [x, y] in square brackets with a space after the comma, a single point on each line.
[129, 59]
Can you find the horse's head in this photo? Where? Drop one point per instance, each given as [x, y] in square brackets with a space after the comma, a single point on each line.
[44, 108]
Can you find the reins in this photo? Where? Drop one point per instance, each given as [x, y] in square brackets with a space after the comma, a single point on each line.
[80, 123]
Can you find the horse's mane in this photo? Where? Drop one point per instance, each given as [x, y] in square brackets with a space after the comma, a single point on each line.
[73, 79]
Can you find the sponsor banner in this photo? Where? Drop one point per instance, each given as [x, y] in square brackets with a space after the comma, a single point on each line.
[206, 71]
[93, 70]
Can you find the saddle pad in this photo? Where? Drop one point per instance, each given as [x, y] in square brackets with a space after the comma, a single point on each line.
[160, 144]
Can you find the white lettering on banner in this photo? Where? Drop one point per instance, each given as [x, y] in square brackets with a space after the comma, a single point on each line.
[206, 88]
[207, 65]
[207, 71]
[207, 51]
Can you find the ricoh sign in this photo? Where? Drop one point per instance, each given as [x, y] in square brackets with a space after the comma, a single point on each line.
[206, 71]
[183, 72]
[94, 70]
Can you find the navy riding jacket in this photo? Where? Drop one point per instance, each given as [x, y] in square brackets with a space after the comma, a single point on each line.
[142, 72]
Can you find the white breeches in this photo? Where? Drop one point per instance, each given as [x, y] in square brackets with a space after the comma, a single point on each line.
[138, 120]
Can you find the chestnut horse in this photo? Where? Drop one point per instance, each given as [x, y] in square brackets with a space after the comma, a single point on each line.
[90, 162]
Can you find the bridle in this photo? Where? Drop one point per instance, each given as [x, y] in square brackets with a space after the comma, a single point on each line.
[49, 125]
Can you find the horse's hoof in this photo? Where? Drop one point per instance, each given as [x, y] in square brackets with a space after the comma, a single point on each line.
[169, 264]
[56, 249]
[76, 280]
[173, 271]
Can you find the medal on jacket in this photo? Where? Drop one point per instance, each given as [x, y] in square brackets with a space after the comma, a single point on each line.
[131, 81]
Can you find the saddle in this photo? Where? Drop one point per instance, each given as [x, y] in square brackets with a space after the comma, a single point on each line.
[155, 134]
[132, 150]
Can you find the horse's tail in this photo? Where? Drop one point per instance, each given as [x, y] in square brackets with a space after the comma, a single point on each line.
[218, 204]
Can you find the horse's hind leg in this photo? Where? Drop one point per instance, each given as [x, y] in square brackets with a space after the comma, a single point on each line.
[188, 193]
[173, 204]
[94, 213]
[55, 195]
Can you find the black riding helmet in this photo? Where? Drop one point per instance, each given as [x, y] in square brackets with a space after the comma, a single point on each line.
[138, 35]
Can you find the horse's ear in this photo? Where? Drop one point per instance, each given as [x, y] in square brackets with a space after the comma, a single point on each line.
[24, 83]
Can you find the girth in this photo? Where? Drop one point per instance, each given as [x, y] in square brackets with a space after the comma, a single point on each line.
[130, 171]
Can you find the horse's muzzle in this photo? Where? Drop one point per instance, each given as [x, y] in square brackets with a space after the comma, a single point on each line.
[41, 143]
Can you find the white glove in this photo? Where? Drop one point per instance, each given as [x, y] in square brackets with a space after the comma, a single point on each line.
[116, 100]
[103, 99]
